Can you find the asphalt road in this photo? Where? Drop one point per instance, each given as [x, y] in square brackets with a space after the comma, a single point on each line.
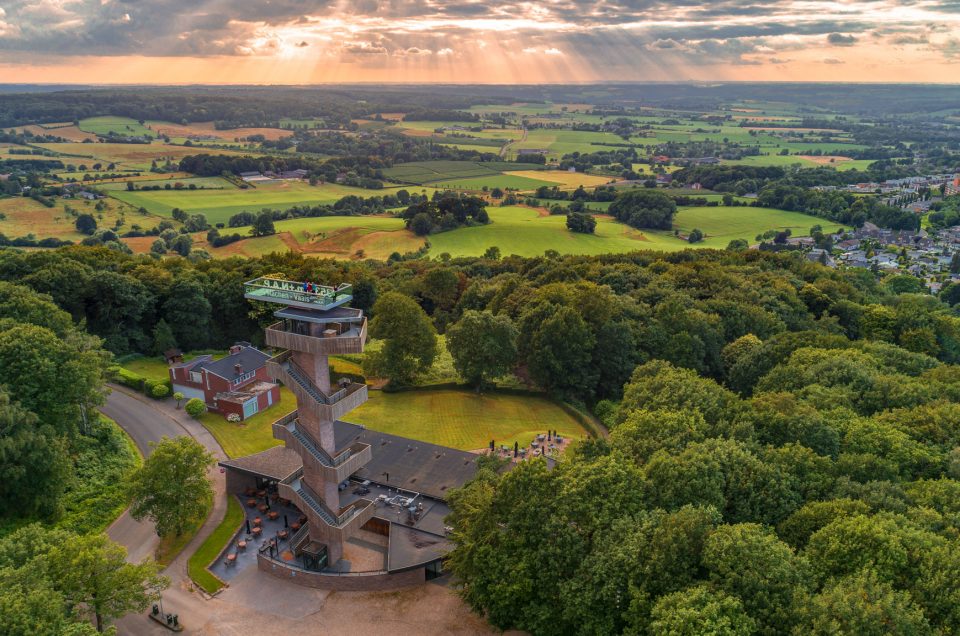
[144, 425]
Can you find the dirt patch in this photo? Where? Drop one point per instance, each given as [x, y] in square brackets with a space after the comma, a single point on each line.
[289, 240]
[825, 159]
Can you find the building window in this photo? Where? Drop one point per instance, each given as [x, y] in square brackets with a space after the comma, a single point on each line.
[196, 377]
[243, 378]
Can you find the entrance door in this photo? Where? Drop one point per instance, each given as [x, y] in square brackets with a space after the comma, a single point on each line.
[250, 408]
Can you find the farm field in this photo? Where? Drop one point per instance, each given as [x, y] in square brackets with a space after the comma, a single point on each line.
[219, 205]
[562, 178]
[462, 419]
[806, 161]
[424, 172]
[560, 142]
[126, 156]
[207, 129]
[121, 126]
[68, 131]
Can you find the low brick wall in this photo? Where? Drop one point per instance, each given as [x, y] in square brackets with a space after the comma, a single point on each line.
[381, 581]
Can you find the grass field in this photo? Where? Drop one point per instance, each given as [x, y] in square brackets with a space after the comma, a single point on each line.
[122, 126]
[211, 547]
[514, 229]
[460, 418]
[22, 216]
[723, 224]
[219, 205]
[216, 183]
[504, 181]
[525, 231]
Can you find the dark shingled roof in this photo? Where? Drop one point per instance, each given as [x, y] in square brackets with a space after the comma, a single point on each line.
[249, 359]
[411, 464]
[277, 463]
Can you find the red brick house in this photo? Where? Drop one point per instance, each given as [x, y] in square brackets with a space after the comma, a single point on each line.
[236, 384]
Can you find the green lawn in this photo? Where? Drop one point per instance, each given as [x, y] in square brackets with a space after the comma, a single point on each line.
[252, 435]
[460, 418]
[209, 549]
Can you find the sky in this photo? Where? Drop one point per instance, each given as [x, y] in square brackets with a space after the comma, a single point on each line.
[470, 41]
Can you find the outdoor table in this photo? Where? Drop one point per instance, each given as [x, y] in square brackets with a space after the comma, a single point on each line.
[242, 545]
[257, 521]
[231, 558]
[261, 493]
[283, 534]
[262, 507]
[295, 526]
[251, 503]
[303, 519]
[284, 502]
[272, 515]
[256, 531]
[249, 492]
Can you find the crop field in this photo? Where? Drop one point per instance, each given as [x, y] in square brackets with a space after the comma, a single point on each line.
[207, 129]
[219, 205]
[562, 178]
[122, 126]
[422, 172]
[462, 419]
[128, 156]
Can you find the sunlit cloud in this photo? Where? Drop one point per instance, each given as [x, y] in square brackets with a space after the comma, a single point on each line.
[478, 40]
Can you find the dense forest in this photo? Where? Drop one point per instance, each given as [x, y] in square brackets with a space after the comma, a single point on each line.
[783, 455]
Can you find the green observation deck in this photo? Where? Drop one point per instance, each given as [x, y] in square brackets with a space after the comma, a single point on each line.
[306, 295]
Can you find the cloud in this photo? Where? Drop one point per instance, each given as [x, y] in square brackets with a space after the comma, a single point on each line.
[839, 39]
[608, 38]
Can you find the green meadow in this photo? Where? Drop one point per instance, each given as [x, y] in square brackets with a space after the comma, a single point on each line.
[219, 205]
[122, 126]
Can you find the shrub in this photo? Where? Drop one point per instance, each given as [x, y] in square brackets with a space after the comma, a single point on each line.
[233, 417]
[160, 391]
[129, 378]
[195, 407]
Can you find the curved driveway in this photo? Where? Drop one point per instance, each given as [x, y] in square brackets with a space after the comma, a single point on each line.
[144, 425]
